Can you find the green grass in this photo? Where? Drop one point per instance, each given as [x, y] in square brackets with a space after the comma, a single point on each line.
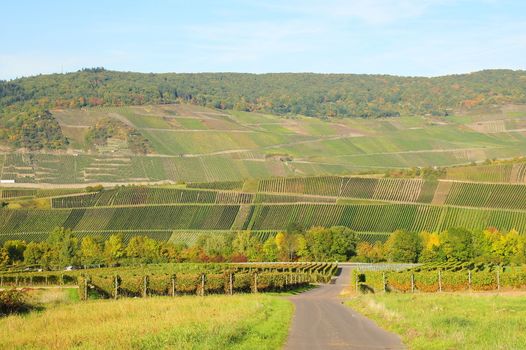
[213, 322]
[449, 321]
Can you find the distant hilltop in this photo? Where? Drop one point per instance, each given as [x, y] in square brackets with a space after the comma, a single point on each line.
[309, 94]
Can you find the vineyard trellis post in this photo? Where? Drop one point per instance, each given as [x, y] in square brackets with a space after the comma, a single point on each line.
[384, 282]
[412, 283]
[85, 286]
[145, 286]
[469, 279]
[116, 286]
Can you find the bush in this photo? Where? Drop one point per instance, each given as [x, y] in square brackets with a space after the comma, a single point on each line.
[13, 301]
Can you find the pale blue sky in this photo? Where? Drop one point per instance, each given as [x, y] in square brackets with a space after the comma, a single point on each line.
[402, 37]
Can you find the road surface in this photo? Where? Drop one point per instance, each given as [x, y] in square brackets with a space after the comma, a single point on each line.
[321, 321]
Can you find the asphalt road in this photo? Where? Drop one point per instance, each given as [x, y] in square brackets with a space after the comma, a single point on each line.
[321, 321]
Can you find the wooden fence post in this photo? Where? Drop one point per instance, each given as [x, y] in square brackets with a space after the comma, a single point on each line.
[384, 282]
[412, 283]
[173, 286]
[439, 280]
[116, 285]
[231, 282]
[469, 279]
[203, 285]
[498, 279]
[145, 287]
[86, 288]
[255, 282]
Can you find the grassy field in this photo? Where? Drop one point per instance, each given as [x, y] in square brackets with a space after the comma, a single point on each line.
[213, 322]
[449, 321]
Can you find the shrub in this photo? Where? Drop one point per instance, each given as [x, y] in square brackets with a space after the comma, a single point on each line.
[12, 301]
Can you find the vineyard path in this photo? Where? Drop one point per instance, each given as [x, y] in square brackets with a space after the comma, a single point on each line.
[321, 321]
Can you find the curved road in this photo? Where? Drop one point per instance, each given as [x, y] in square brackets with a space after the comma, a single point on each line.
[322, 322]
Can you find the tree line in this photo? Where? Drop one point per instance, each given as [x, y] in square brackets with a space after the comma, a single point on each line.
[62, 248]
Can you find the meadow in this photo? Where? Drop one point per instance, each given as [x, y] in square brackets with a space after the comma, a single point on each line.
[235, 322]
[449, 321]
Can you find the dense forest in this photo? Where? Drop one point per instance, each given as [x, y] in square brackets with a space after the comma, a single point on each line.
[316, 95]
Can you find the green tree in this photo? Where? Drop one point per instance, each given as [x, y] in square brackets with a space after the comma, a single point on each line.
[457, 244]
[114, 248]
[15, 251]
[248, 245]
[404, 246]
[33, 253]
[4, 257]
[91, 250]
[270, 249]
[337, 243]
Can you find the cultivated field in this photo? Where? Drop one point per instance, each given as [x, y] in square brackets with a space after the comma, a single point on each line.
[196, 144]
[184, 212]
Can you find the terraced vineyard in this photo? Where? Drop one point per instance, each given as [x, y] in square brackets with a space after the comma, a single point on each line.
[370, 205]
[201, 145]
[260, 217]
[507, 173]
[130, 196]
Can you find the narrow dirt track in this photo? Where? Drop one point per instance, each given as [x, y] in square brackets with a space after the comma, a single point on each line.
[321, 321]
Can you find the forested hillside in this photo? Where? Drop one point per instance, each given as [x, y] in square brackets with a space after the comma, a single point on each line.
[346, 95]
[24, 102]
